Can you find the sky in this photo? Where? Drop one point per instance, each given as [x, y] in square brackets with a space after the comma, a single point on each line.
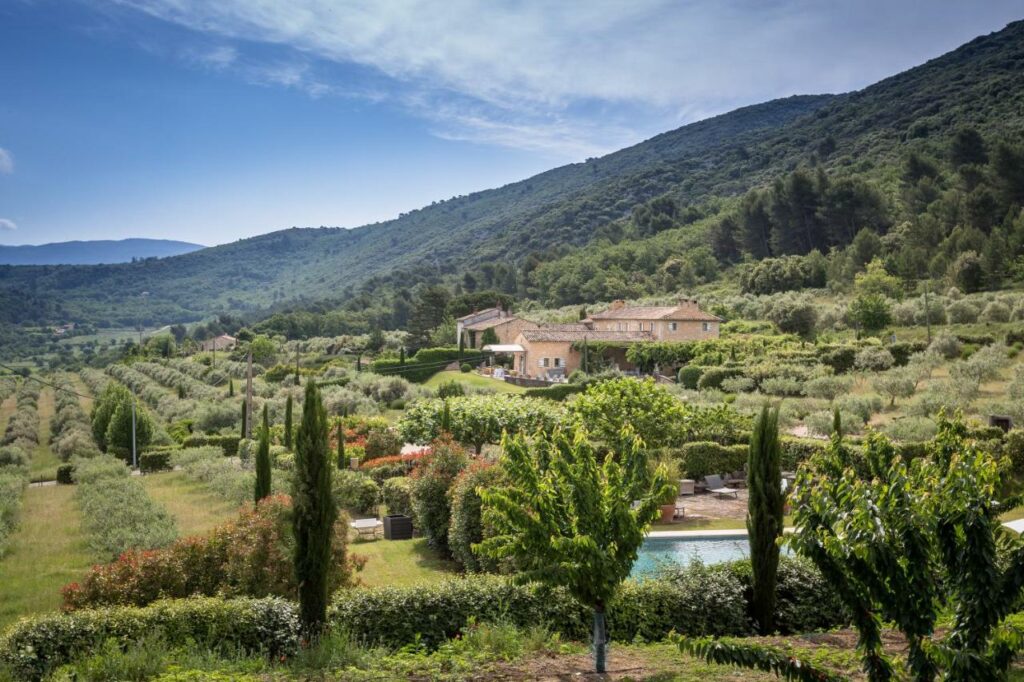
[210, 121]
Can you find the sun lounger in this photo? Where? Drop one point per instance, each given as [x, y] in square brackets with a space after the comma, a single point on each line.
[715, 485]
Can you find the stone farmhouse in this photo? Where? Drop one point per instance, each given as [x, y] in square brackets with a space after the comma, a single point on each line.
[470, 329]
[222, 342]
[552, 352]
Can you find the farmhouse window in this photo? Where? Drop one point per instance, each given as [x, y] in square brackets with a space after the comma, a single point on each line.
[673, 326]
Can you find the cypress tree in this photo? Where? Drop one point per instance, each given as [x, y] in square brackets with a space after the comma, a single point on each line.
[446, 418]
[244, 415]
[401, 356]
[288, 423]
[263, 459]
[231, 388]
[341, 443]
[764, 514]
[313, 514]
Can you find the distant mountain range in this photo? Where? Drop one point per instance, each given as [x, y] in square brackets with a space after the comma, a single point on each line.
[94, 252]
[979, 85]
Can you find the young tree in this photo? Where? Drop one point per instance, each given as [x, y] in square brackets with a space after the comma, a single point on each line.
[288, 423]
[569, 519]
[650, 411]
[119, 430]
[871, 312]
[341, 444]
[245, 416]
[263, 460]
[314, 513]
[764, 514]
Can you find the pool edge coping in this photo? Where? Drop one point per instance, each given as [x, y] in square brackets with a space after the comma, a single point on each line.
[703, 534]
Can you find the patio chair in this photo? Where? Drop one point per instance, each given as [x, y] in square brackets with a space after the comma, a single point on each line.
[680, 511]
[715, 485]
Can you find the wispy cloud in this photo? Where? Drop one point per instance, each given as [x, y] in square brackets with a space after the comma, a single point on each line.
[6, 162]
[7, 225]
[575, 77]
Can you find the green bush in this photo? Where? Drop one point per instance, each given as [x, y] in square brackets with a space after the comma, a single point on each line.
[840, 358]
[1013, 447]
[155, 461]
[382, 442]
[796, 450]
[355, 491]
[65, 474]
[700, 458]
[557, 392]
[451, 389]
[713, 377]
[430, 503]
[466, 368]
[466, 527]
[397, 495]
[35, 646]
[689, 376]
[901, 351]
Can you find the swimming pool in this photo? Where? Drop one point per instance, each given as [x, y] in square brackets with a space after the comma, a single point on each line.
[659, 552]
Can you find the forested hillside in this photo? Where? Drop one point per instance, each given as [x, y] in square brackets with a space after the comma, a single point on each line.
[928, 161]
[93, 252]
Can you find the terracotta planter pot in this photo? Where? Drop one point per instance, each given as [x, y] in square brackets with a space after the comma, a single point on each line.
[668, 513]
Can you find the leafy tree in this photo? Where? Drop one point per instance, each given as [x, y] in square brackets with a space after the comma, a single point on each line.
[569, 519]
[263, 460]
[764, 514]
[967, 273]
[264, 351]
[902, 543]
[431, 503]
[488, 337]
[794, 315]
[119, 430]
[896, 383]
[103, 409]
[288, 423]
[606, 408]
[871, 312]
[314, 512]
[876, 281]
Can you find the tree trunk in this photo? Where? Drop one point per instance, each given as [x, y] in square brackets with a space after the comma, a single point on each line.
[600, 639]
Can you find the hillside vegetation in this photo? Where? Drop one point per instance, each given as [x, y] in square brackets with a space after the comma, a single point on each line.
[824, 166]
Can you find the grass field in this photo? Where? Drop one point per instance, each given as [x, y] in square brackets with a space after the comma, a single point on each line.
[195, 508]
[44, 462]
[400, 563]
[472, 380]
[46, 552]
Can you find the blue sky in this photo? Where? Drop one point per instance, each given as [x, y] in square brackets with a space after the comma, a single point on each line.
[212, 121]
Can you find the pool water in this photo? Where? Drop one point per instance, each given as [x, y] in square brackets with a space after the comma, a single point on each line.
[658, 553]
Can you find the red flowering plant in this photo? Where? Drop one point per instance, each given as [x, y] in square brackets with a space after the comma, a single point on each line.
[248, 557]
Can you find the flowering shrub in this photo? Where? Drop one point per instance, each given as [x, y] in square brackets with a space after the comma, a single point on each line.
[248, 557]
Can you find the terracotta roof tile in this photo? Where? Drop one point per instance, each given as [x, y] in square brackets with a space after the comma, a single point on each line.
[547, 334]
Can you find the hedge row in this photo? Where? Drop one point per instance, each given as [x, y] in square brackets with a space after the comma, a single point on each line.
[227, 443]
[695, 601]
[158, 460]
[35, 646]
[557, 392]
[425, 363]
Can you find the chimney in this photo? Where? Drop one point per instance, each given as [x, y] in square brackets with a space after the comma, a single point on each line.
[688, 304]
[617, 304]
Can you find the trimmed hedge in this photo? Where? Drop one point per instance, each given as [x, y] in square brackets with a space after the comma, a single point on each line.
[689, 376]
[713, 377]
[692, 601]
[155, 461]
[557, 392]
[700, 458]
[229, 444]
[35, 646]
[425, 363]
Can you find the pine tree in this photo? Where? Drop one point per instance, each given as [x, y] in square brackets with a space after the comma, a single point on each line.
[764, 514]
[263, 460]
[341, 443]
[314, 513]
[244, 416]
[288, 423]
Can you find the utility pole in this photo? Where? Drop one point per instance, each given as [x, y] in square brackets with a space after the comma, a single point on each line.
[135, 459]
[248, 397]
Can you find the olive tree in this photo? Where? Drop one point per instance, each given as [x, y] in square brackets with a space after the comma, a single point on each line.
[650, 412]
[568, 518]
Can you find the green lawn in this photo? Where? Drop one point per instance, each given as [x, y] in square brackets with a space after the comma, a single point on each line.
[46, 552]
[195, 508]
[44, 462]
[472, 380]
[400, 562]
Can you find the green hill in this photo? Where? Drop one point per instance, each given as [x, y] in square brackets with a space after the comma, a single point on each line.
[980, 85]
